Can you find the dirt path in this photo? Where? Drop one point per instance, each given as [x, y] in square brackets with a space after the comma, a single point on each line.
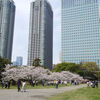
[34, 94]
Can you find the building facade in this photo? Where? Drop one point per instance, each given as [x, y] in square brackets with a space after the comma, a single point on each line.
[41, 33]
[80, 31]
[7, 16]
[19, 61]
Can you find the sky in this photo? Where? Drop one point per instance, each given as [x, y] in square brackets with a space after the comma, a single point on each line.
[21, 30]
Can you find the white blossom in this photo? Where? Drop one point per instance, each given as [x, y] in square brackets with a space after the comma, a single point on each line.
[37, 73]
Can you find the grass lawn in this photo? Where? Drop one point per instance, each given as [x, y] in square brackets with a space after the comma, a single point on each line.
[80, 94]
[36, 87]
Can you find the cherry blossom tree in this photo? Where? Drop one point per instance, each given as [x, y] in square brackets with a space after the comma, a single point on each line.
[37, 73]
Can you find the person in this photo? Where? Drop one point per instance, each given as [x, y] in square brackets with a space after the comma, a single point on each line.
[36, 83]
[88, 83]
[18, 85]
[96, 84]
[2, 83]
[23, 86]
[56, 84]
[75, 82]
[65, 82]
[43, 82]
[8, 84]
[33, 83]
[91, 84]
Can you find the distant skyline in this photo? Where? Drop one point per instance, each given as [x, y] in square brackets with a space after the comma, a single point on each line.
[21, 32]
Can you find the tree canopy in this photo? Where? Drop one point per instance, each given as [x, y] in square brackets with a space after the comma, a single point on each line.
[3, 63]
[37, 73]
[88, 69]
[72, 67]
[36, 62]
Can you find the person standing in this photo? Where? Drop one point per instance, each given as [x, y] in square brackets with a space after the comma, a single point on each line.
[18, 85]
[36, 83]
[43, 82]
[23, 86]
[96, 84]
[91, 84]
[2, 83]
[33, 83]
[57, 84]
[88, 83]
[6, 84]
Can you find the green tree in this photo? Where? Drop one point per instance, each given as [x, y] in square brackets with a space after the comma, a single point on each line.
[90, 69]
[3, 63]
[36, 62]
[72, 67]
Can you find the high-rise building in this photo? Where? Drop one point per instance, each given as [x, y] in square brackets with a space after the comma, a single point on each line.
[7, 16]
[19, 61]
[81, 31]
[41, 33]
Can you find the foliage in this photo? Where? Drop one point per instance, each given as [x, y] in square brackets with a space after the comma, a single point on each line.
[72, 67]
[36, 62]
[90, 69]
[3, 63]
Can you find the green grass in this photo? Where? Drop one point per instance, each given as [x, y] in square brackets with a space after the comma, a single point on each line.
[36, 87]
[80, 94]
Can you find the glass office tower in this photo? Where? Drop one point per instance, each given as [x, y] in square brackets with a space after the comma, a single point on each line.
[19, 61]
[80, 31]
[7, 16]
[41, 33]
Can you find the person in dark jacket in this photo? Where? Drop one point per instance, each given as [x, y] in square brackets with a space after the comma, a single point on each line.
[19, 85]
[96, 84]
[8, 84]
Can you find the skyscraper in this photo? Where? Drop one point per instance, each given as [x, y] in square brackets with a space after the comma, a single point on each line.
[80, 31]
[7, 16]
[41, 33]
[19, 61]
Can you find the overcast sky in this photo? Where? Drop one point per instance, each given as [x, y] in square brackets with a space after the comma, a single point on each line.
[21, 31]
